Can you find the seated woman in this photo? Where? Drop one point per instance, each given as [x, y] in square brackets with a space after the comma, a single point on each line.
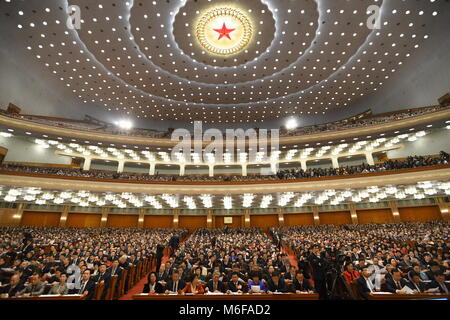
[152, 286]
[350, 273]
[194, 287]
[61, 286]
[256, 282]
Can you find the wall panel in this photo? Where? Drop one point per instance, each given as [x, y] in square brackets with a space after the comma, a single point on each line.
[83, 220]
[299, 219]
[192, 222]
[264, 221]
[40, 219]
[420, 214]
[375, 216]
[336, 218]
[6, 217]
[154, 221]
[122, 221]
[219, 222]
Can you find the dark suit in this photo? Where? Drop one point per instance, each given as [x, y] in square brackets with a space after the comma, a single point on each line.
[280, 287]
[158, 288]
[89, 287]
[318, 265]
[363, 288]
[303, 286]
[391, 286]
[232, 287]
[11, 291]
[171, 285]
[421, 287]
[220, 286]
[163, 277]
[104, 277]
[434, 284]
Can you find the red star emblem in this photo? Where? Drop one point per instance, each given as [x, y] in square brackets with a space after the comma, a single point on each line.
[224, 32]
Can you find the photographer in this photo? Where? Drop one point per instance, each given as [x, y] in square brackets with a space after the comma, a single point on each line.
[319, 270]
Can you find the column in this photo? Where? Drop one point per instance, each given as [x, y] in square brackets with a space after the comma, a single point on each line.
[105, 212]
[369, 158]
[64, 215]
[244, 170]
[444, 208]
[316, 215]
[209, 219]
[141, 218]
[182, 169]
[303, 165]
[280, 217]
[87, 163]
[353, 213]
[335, 162]
[152, 169]
[394, 210]
[246, 218]
[274, 167]
[176, 214]
[18, 215]
[120, 166]
[211, 170]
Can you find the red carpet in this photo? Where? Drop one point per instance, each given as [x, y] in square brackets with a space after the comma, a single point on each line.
[138, 287]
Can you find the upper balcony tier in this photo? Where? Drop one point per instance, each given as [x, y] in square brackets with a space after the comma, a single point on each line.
[360, 125]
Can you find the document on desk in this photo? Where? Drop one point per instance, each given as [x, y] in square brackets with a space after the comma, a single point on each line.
[381, 292]
[214, 293]
[407, 290]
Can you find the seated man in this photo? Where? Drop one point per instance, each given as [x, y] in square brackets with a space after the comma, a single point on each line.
[236, 285]
[439, 282]
[175, 285]
[256, 282]
[87, 287]
[215, 285]
[276, 284]
[34, 289]
[365, 285]
[13, 288]
[416, 284]
[395, 283]
[300, 283]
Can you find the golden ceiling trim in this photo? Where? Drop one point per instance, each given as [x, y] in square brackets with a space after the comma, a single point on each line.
[218, 12]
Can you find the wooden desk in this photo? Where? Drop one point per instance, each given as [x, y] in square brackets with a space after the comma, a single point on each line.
[396, 296]
[225, 297]
[48, 297]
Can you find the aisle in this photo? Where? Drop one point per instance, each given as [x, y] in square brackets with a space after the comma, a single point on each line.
[138, 287]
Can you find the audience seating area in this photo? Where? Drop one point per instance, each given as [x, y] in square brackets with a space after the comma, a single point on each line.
[370, 261]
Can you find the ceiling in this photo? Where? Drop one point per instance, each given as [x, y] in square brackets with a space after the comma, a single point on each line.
[143, 58]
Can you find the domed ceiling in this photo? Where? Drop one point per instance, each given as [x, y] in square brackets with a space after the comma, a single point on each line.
[221, 61]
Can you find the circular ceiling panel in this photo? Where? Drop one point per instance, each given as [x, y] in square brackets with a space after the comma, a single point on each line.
[143, 58]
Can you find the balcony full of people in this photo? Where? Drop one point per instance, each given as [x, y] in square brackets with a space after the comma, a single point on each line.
[282, 174]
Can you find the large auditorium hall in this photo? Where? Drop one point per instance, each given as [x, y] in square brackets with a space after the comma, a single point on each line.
[224, 158]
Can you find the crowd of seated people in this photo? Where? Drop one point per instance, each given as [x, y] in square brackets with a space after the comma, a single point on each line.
[397, 258]
[228, 260]
[285, 174]
[373, 120]
[52, 260]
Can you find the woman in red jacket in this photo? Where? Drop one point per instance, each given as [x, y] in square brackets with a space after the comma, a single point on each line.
[351, 274]
[194, 287]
